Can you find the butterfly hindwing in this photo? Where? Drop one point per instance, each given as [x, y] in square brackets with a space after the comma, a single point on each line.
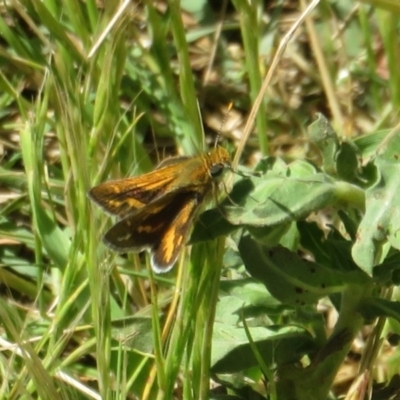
[166, 251]
[161, 227]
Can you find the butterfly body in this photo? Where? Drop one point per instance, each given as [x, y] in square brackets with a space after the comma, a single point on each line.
[158, 208]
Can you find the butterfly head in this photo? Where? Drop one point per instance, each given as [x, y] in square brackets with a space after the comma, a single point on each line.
[219, 160]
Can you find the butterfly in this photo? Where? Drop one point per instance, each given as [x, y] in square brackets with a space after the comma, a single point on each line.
[157, 209]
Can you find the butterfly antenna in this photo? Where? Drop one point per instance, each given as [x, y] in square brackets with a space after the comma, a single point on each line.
[230, 105]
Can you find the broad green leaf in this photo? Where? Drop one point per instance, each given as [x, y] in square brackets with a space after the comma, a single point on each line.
[289, 192]
[347, 165]
[323, 135]
[333, 251]
[212, 223]
[134, 332]
[231, 350]
[339, 158]
[248, 292]
[289, 278]
[388, 273]
[278, 199]
[269, 235]
[381, 223]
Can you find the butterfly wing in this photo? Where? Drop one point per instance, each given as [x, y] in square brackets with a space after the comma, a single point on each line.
[165, 252]
[160, 227]
[121, 197]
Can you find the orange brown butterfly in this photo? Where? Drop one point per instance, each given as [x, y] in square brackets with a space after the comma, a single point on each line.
[157, 209]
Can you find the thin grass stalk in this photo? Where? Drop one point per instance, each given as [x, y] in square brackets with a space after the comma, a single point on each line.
[326, 78]
[209, 303]
[157, 336]
[188, 93]
[388, 26]
[249, 27]
[376, 99]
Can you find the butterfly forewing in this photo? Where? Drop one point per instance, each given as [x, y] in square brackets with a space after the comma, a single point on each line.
[121, 197]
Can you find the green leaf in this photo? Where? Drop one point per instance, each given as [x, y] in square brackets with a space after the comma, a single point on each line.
[248, 292]
[381, 223]
[388, 273]
[347, 165]
[54, 240]
[279, 199]
[374, 307]
[289, 278]
[231, 350]
[134, 332]
[333, 251]
[368, 144]
[339, 159]
[323, 135]
[289, 192]
[212, 223]
[269, 235]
